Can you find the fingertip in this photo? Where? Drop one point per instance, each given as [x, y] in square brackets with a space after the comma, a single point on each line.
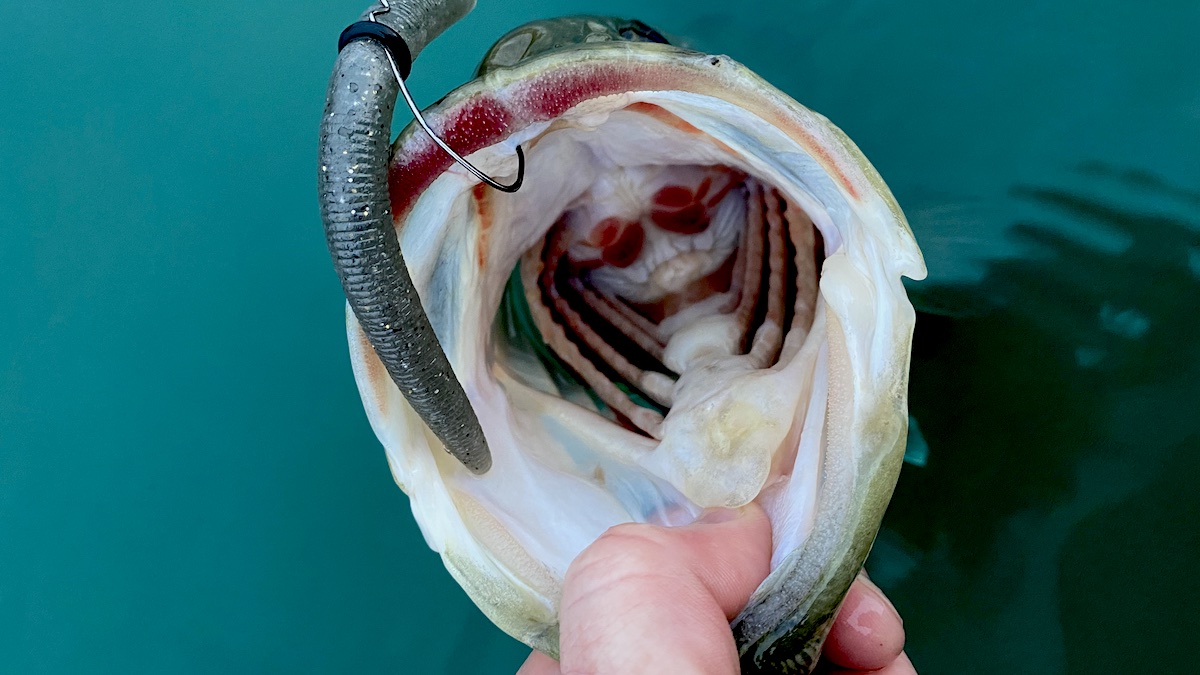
[901, 666]
[750, 515]
[868, 633]
[646, 598]
[539, 664]
[732, 552]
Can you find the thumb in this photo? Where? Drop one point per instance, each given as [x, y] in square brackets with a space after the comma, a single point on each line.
[729, 551]
[644, 598]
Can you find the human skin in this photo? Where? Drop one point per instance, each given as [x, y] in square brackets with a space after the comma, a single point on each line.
[649, 599]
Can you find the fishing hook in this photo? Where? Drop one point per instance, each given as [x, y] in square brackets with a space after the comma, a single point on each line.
[393, 42]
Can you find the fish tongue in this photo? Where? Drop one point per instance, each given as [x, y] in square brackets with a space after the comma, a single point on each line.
[721, 436]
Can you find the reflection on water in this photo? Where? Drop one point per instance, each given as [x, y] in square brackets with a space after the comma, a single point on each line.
[1049, 530]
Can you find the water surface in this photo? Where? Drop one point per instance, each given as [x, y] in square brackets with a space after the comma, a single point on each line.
[188, 483]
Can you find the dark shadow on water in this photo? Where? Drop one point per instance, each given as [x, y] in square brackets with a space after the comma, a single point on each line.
[1062, 414]
[1128, 586]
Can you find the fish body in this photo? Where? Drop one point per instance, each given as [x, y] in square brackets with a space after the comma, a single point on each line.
[694, 301]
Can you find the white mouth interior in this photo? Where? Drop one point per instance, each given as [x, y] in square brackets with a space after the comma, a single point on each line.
[565, 469]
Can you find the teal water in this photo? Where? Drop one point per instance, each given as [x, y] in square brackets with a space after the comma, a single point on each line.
[188, 483]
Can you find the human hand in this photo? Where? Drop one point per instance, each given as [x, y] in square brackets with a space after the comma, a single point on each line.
[649, 599]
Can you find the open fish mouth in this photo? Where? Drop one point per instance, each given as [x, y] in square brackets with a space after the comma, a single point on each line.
[674, 301]
[693, 301]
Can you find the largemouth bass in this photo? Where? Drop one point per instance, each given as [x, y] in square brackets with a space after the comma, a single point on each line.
[694, 301]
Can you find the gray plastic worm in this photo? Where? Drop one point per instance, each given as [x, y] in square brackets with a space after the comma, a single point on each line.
[356, 209]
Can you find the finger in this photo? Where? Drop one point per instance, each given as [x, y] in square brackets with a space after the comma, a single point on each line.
[539, 664]
[652, 599]
[901, 666]
[730, 570]
[868, 633]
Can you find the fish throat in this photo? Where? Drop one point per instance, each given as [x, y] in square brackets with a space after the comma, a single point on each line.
[664, 281]
[658, 270]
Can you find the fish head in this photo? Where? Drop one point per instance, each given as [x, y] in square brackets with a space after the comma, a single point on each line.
[694, 301]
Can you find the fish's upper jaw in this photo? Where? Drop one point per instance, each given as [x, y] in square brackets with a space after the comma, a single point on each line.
[545, 36]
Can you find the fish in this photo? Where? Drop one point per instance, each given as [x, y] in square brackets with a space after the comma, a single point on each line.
[695, 300]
